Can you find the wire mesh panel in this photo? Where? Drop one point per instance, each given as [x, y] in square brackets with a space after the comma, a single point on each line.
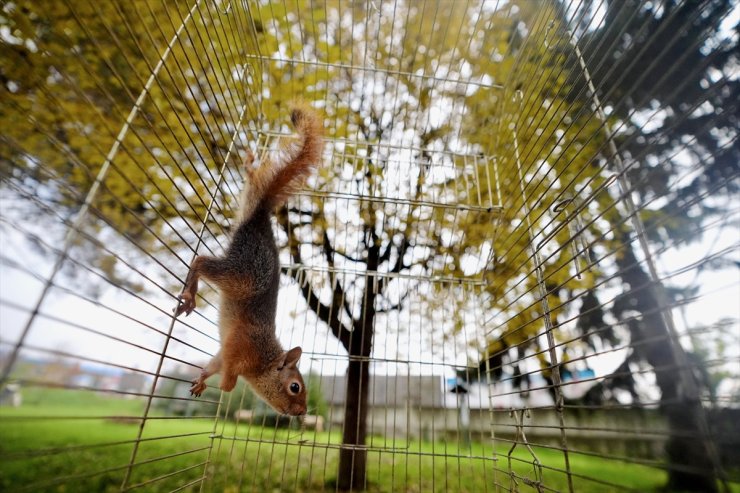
[516, 268]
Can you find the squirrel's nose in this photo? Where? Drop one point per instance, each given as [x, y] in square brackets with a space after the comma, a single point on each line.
[298, 409]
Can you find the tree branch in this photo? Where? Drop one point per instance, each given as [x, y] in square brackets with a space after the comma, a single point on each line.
[395, 306]
[325, 313]
[339, 298]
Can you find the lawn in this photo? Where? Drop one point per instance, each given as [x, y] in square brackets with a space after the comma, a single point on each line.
[59, 442]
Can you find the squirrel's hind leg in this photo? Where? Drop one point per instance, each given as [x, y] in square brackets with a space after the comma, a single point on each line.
[249, 196]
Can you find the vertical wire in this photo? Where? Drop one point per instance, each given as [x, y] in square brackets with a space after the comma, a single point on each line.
[199, 242]
[489, 387]
[232, 141]
[554, 365]
[246, 71]
[679, 355]
[155, 104]
[101, 87]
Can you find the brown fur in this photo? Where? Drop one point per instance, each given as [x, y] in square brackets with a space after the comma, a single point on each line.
[272, 183]
[248, 277]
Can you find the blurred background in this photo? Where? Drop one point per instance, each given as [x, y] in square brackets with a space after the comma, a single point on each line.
[517, 267]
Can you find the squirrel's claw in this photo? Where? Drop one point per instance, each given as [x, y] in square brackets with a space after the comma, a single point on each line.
[249, 159]
[187, 304]
[198, 387]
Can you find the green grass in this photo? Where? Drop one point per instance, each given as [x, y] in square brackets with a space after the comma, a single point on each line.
[70, 455]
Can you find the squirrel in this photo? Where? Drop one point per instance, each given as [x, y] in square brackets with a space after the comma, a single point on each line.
[248, 278]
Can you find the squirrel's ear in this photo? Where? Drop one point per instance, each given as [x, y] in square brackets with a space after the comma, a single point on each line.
[289, 359]
[292, 357]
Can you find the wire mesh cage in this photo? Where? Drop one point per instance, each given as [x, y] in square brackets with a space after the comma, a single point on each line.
[516, 268]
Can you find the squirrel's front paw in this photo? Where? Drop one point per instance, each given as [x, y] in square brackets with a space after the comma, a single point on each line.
[198, 387]
[187, 304]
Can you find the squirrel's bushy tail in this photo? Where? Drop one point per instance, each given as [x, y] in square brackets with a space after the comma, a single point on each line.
[274, 181]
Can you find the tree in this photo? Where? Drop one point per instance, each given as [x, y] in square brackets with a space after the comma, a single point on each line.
[677, 56]
[667, 56]
[550, 185]
[382, 119]
[385, 75]
[71, 75]
[79, 69]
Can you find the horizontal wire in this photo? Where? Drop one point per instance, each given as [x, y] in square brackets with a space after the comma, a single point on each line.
[189, 484]
[317, 355]
[657, 464]
[93, 331]
[368, 448]
[598, 284]
[538, 86]
[646, 404]
[627, 345]
[190, 91]
[42, 452]
[623, 221]
[364, 69]
[164, 476]
[603, 304]
[97, 243]
[124, 234]
[111, 194]
[606, 433]
[57, 385]
[112, 134]
[370, 69]
[290, 269]
[569, 472]
[65, 479]
[611, 349]
[653, 226]
[89, 269]
[672, 368]
[367, 144]
[406, 451]
[560, 96]
[634, 185]
[112, 417]
[187, 54]
[394, 201]
[135, 38]
[65, 354]
[607, 77]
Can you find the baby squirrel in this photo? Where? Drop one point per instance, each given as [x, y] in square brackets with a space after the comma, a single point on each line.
[248, 278]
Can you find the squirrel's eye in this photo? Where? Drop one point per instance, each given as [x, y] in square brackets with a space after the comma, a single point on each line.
[295, 387]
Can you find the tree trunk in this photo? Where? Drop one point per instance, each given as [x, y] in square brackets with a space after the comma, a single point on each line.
[352, 462]
[353, 459]
[687, 451]
[691, 467]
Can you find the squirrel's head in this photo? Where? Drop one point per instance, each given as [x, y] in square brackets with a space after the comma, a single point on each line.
[281, 386]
